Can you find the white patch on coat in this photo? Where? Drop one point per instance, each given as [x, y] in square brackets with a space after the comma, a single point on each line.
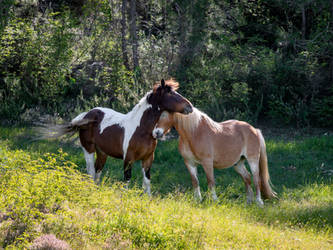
[78, 118]
[193, 171]
[129, 121]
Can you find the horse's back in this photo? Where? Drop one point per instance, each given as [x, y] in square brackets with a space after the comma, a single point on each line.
[103, 117]
[236, 126]
[109, 112]
[250, 139]
[103, 131]
[236, 139]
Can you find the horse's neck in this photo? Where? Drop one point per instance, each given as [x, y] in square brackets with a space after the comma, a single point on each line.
[187, 125]
[149, 120]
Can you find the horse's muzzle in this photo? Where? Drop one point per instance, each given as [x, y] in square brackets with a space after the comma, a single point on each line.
[188, 109]
[158, 133]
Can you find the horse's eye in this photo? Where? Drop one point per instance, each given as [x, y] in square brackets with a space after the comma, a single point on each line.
[164, 115]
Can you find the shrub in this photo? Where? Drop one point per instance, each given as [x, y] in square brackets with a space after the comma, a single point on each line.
[48, 242]
[35, 63]
[32, 190]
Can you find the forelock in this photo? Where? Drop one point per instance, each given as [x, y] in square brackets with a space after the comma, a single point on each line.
[171, 83]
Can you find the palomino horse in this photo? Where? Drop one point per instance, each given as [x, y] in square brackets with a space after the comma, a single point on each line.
[126, 136]
[219, 145]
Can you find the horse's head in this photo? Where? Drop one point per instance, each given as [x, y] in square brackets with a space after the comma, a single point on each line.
[163, 125]
[165, 98]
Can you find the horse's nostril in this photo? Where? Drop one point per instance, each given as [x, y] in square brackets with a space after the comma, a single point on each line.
[188, 109]
[157, 134]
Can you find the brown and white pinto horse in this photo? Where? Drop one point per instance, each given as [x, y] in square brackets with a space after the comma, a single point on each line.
[126, 136]
[219, 145]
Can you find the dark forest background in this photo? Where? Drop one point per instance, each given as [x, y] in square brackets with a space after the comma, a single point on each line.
[261, 61]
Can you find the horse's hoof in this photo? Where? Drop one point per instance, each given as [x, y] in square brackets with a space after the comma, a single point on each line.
[260, 203]
[249, 202]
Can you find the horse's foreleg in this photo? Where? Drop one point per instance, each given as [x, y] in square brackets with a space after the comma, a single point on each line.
[241, 170]
[127, 172]
[192, 168]
[146, 165]
[254, 165]
[209, 170]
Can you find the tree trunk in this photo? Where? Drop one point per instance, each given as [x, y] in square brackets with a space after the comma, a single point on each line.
[303, 21]
[134, 37]
[181, 31]
[123, 34]
[331, 62]
[164, 13]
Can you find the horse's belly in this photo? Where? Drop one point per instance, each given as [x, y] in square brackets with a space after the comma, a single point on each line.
[227, 159]
[111, 141]
[141, 148]
[224, 164]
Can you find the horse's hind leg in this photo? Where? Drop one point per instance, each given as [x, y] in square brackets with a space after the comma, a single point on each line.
[89, 150]
[241, 170]
[89, 157]
[254, 165]
[192, 168]
[99, 164]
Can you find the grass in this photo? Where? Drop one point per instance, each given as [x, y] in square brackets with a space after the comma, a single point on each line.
[45, 191]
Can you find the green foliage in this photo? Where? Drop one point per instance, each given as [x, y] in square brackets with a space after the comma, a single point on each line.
[260, 51]
[323, 109]
[249, 60]
[6, 11]
[37, 60]
[35, 63]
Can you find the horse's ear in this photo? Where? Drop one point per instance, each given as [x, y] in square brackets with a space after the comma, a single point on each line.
[150, 98]
[162, 83]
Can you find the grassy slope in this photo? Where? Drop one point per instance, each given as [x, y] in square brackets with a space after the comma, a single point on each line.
[86, 215]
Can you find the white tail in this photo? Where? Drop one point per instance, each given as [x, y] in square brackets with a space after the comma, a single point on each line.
[49, 131]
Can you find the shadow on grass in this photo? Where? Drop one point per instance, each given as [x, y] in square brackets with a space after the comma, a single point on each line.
[318, 217]
[293, 165]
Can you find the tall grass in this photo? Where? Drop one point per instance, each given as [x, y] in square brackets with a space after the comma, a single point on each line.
[43, 190]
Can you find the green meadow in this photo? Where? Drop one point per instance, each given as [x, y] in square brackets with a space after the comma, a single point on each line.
[44, 190]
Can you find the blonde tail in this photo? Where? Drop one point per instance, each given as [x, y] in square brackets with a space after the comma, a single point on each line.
[265, 187]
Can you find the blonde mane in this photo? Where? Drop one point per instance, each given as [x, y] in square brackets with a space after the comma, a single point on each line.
[191, 121]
